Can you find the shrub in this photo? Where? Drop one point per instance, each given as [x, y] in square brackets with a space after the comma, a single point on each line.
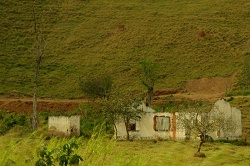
[8, 121]
[99, 86]
[63, 154]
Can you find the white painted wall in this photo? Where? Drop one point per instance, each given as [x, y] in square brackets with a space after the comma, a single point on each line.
[233, 115]
[145, 127]
[63, 125]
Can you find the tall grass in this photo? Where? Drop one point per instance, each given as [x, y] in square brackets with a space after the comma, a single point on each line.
[96, 151]
[101, 150]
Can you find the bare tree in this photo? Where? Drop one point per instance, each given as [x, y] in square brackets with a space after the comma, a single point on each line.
[201, 120]
[40, 45]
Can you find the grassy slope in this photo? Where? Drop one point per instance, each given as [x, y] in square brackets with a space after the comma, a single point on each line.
[82, 38]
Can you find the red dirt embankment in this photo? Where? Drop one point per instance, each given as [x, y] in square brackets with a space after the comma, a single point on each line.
[25, 105]
[209, 89]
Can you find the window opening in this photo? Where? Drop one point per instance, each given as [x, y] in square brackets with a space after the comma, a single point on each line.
[161, 123]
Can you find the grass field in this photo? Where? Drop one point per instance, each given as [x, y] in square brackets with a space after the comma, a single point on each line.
[93, 37]
[83, 37]
[99, 150]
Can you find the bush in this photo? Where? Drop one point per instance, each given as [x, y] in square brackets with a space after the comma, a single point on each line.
[64, 155]
[236, 142]
[8, 121]
[99, 86]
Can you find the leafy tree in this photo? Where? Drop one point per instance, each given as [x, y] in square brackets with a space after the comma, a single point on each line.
[110, 110]
[148, 76]
[129, 111]
[121, 107]
[97, 86]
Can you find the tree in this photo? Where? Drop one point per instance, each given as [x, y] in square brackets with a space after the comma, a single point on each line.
[97, 86]
[148, 76]
[110, 110]
[201, 120]
[40, 45]
[121, 108]
[128, 110]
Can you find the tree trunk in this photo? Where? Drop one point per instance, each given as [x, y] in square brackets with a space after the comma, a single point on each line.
[35, 118]
[40, 46]
[127, 129]
[202, 137]
[115, 131]
[149, 97]
[127, 138]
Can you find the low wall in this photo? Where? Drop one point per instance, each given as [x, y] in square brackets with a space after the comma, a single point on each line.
[64, 126]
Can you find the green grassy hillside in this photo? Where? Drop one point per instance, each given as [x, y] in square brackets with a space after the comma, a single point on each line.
[111, 36]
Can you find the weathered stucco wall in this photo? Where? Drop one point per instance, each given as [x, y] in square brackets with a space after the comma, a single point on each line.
[232, 117]
[146, 128]
[64, 126]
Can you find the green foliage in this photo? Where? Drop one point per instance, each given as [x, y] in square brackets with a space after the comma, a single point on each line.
[63, 154]
[10, 120]
[236, 142]
[101, 150]
[92, 115]
[45, 157]
[149, 73]
[99, 86]
[67, 156]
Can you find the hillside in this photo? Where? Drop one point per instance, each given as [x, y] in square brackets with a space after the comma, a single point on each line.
[189, 39]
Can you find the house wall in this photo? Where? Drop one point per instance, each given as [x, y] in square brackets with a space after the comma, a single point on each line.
[64, 126]
[232, 115]
[145, 129]
[75, 125]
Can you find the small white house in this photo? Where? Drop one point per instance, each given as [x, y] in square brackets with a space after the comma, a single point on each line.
[154, 125]
[64, 125]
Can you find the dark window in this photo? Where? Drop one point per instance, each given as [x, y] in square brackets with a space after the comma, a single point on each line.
[133, 126]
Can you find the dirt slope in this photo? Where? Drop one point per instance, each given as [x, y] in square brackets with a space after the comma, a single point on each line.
[24, 105]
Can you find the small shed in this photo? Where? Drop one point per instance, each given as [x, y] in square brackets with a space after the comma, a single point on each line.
[64, 125]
